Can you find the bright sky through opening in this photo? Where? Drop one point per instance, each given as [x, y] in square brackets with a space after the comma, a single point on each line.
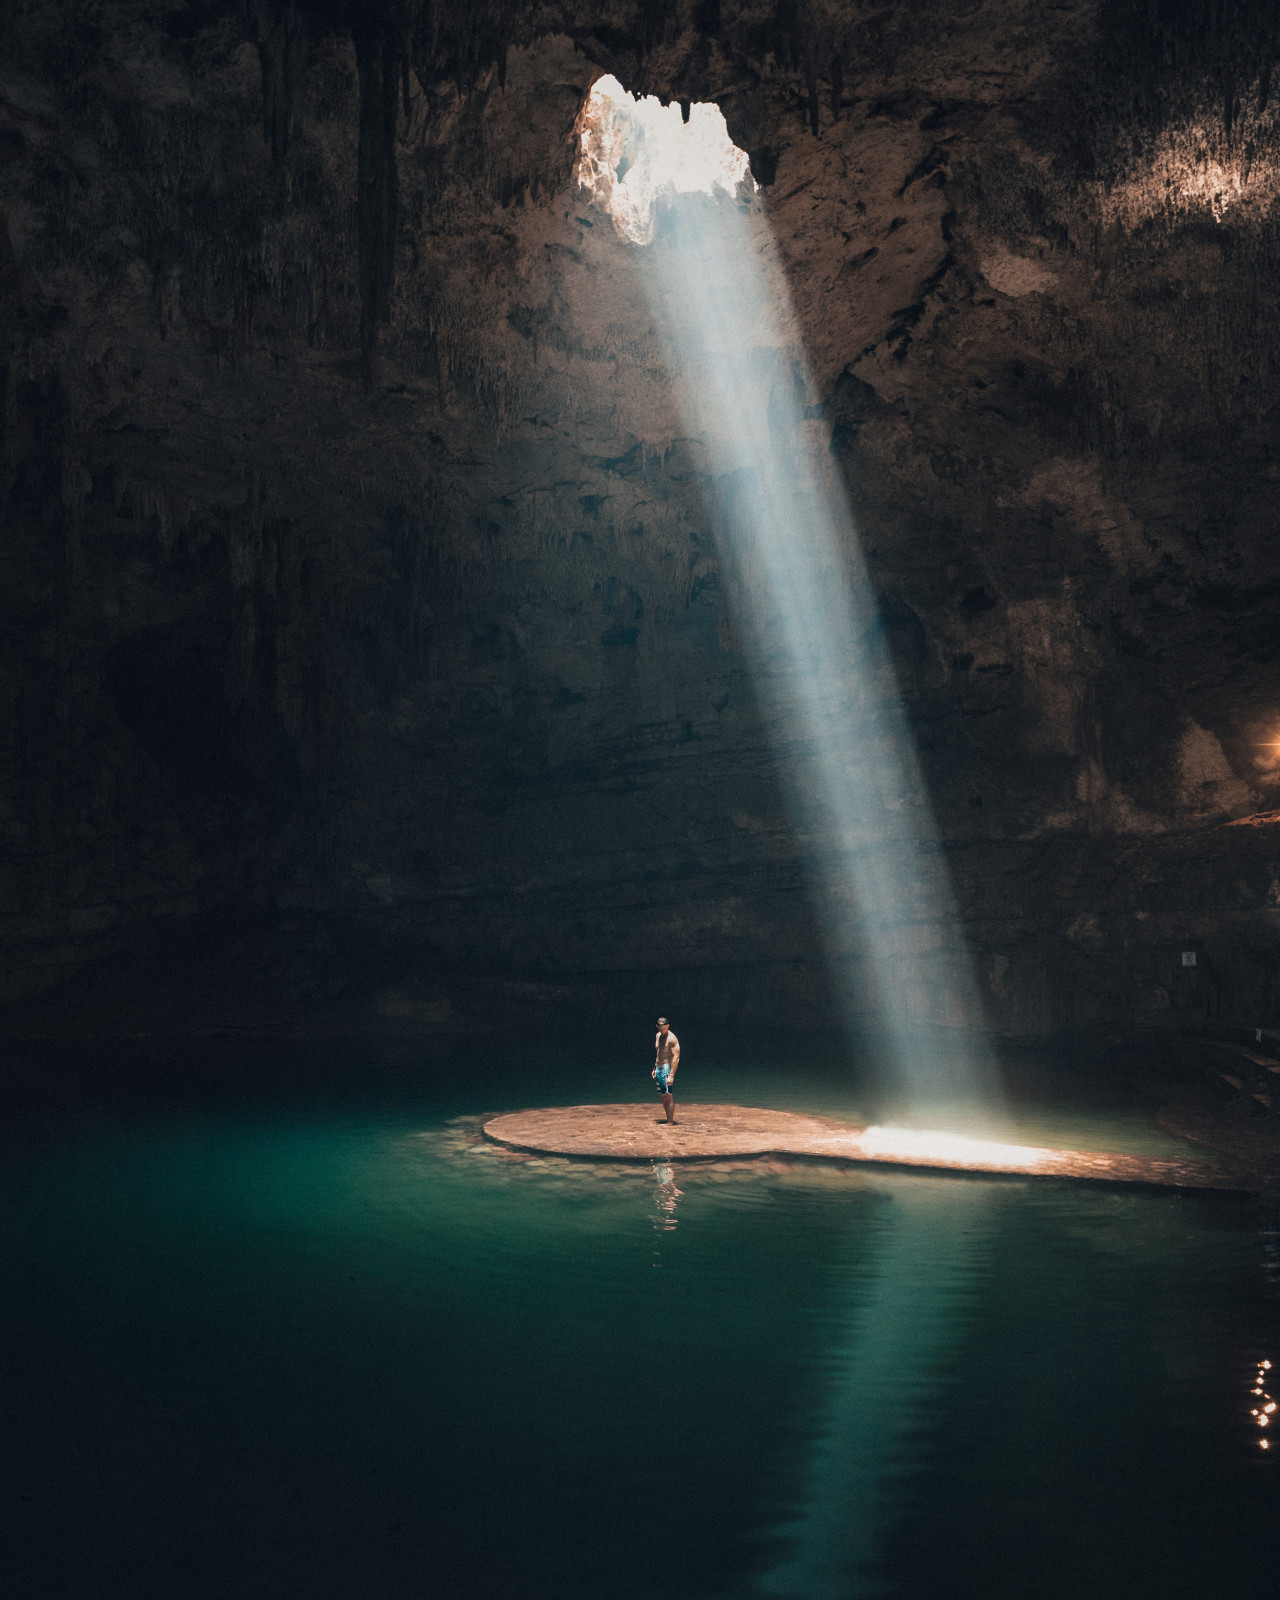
[791, 562]
[638, 155]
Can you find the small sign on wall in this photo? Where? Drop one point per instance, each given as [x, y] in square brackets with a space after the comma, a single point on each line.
[1188, 958]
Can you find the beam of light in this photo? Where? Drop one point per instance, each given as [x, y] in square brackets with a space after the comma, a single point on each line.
[951, 1149]
[889, 1374]
[801, 602]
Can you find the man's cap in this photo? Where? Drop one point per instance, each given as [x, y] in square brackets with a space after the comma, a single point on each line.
[662, 1020]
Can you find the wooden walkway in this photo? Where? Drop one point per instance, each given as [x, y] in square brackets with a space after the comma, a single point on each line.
[637, 1132]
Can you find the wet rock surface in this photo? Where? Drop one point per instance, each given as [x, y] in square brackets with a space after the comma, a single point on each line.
[365, 614]
[1197, 1114]
[631, 1132]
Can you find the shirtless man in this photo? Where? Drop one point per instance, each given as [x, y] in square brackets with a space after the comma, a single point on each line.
[666, 1060]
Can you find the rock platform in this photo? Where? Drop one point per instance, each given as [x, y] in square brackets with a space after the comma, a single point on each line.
[635, 1132]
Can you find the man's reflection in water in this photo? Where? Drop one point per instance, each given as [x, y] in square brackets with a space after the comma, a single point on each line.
[904, 1317]
[665, 1198]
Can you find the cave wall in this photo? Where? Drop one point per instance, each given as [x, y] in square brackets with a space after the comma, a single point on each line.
[366, 628]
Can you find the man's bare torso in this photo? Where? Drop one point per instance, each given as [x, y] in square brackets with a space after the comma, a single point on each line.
[668, 1048]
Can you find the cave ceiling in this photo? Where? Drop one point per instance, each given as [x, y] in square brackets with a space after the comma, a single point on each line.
[364, 623]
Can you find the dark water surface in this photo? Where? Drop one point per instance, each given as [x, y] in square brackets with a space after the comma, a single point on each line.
[318, 1339]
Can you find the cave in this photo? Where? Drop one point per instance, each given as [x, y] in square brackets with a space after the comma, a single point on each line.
[519, 520]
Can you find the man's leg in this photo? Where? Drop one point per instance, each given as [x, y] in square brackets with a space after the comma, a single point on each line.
[669, 1106]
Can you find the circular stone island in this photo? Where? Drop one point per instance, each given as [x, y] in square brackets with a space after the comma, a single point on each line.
[633, 1132]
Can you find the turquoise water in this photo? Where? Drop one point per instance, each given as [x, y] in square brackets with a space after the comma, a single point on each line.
[304, 1342]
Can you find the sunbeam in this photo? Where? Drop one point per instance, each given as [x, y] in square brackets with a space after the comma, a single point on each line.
[803, 607]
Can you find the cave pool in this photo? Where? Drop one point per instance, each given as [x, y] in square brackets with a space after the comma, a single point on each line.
[305, 1333]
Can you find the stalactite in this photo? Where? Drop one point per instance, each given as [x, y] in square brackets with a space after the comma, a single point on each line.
[811, 81]
[458, 43]
[379, 42]
[801, 41]
[654, 16]
[1167, 53]
[283, 36]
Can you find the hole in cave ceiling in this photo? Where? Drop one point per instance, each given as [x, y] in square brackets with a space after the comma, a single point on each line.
[636, 156]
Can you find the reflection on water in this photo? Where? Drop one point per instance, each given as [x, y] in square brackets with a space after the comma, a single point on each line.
[305, 1355]
[1271, 1255]
[665, 1198]
[1263, 1409]
[889, 1375]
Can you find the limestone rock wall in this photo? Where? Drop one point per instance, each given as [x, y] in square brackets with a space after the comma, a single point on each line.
[353, 647]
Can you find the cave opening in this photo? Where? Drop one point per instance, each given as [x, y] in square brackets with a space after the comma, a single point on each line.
[637, 156]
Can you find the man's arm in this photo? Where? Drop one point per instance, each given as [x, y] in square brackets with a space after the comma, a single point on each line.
[675, 1055]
